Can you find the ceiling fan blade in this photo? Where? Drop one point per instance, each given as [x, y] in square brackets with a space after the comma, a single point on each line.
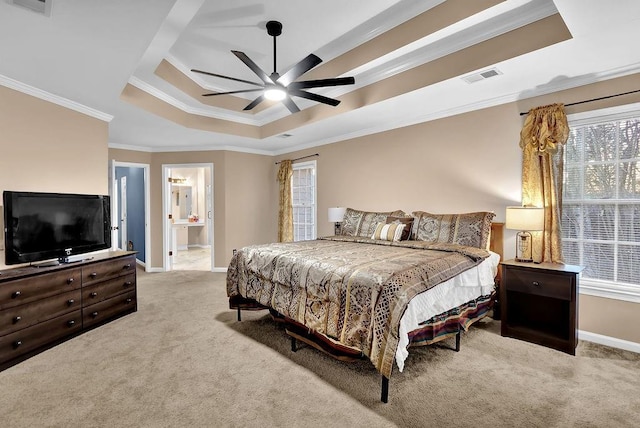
[299, 69]
[313, 97]
[339, 81]
[225, 77]
[288, 102]
[231, 92]
[253, 66]
[254, 103]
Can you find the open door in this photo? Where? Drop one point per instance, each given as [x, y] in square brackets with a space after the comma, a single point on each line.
[130, 217]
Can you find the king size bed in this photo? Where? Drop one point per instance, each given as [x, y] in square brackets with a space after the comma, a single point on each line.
[387, 282]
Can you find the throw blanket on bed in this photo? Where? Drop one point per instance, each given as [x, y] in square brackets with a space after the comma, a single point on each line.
[354, 290]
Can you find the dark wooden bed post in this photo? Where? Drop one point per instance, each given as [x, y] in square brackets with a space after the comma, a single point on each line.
[384, 395]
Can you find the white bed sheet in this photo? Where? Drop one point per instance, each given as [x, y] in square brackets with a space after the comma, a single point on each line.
[470, 284]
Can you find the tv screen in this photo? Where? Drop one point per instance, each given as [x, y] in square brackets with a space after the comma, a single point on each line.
[42, 226]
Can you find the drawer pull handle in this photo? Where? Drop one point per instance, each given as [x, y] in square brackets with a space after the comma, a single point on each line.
[71, 323]
[70, 281]
[129, 300]
[93, 275]
[16, 319]
[127, 284]
[536, 283]
[127, 266]
[16, 294]
[94, 294]
[94, 314]
[70, 302]
[17, 344]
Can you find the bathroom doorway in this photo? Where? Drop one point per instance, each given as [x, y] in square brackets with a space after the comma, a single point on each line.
[188, 216]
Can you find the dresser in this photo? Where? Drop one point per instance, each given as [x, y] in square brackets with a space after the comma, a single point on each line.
[43, 306]
[539, 303]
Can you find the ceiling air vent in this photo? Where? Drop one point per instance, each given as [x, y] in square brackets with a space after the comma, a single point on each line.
[476, 77]
[40, 6]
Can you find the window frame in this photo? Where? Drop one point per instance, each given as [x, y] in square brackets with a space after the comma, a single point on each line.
[595, 287]
[314, 166]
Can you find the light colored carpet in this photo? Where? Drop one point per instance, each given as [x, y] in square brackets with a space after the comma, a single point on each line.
[183, 360]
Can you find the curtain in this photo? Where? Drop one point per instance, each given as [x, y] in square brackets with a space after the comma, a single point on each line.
[542, 140]
[285, 214]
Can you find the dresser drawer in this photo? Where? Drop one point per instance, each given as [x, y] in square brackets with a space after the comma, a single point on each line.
[26, 340]
[98, 292]
[538, 283]
[23, 316]
[25, 290]
[101, 271]
[121, 304]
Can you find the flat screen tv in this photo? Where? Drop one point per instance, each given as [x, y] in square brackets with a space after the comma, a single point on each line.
[43, 226]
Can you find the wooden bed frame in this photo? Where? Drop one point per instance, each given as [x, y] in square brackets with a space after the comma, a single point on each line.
[299, 332]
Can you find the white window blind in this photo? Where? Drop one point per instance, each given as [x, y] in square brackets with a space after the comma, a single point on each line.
[303, 189]
[601, 201]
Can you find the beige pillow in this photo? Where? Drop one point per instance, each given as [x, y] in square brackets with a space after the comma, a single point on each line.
[388, 231]
[469, 229]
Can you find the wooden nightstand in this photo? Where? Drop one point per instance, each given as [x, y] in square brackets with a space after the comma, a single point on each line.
[539, 303]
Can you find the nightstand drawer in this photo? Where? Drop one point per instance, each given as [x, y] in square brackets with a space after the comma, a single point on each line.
[538, 283]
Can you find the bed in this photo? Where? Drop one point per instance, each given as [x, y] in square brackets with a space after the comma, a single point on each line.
[387, 282]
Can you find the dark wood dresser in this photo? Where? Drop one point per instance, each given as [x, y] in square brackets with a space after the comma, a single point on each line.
[43, 306]
[539, 303]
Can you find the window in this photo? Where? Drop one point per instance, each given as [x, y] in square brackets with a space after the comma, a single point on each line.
[601, 202]
[303, 189]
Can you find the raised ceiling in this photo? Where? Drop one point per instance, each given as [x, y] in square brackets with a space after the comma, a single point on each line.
[129, 62]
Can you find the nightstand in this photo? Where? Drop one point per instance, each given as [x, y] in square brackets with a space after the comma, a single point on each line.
[539, 303]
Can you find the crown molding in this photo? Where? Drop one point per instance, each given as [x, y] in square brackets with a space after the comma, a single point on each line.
[55, 99]
[436, 46]
[203, 148]
[212, 112]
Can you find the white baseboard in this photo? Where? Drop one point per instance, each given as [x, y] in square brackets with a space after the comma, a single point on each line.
[609, 341]
[155, 270]
[219, 269]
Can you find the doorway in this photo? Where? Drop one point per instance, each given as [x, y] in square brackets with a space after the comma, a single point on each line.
[129, 191]
[187, 196]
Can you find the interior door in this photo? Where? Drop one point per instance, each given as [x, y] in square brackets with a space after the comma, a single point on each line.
[123, 214]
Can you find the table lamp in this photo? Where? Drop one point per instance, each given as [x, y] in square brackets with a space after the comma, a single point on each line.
[336, 215]
[524, 219]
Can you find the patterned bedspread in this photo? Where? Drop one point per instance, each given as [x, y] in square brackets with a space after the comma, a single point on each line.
[354, 290]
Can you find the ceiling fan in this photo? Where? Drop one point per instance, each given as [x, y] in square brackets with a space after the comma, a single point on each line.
[278, 87]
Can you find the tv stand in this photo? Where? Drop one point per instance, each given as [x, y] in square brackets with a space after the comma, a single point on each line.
[40, 308]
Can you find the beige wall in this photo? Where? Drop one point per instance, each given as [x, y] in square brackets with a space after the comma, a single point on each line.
[48, 148]
[243, 203]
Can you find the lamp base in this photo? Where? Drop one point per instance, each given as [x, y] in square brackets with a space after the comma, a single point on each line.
[337, 228]
[523, 260]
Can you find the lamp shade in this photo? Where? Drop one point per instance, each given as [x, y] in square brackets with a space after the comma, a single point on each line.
[525, 218]
[336, 214]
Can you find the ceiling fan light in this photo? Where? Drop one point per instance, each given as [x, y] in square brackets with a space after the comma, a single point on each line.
[275, 94]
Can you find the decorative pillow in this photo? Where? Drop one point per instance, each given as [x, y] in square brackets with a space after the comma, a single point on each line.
[469, 229]
[388, 231]
[363, 223]
[408, 225]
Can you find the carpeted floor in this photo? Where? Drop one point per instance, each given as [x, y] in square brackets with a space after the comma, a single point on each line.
[183, 360]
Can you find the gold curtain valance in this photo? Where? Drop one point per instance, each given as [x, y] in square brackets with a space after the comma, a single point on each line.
[545, 128]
